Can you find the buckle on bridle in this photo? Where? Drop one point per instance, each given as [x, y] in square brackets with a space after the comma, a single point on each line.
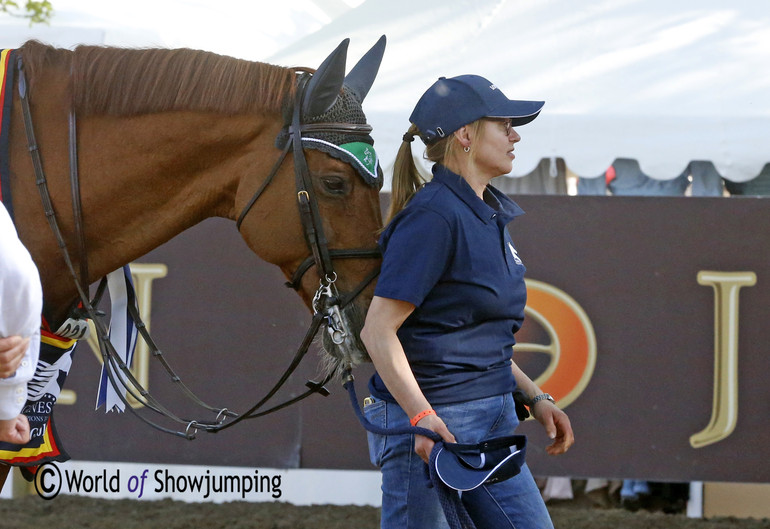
[326, 295]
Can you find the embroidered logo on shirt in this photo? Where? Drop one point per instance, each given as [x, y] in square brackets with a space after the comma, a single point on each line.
[515, 254]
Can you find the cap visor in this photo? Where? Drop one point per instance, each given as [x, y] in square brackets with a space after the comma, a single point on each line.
[521, 112]
[457, 475]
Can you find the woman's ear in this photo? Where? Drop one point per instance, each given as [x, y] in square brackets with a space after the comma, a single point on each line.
[463, 136]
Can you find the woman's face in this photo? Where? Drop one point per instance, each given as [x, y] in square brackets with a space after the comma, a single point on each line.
[494, 147]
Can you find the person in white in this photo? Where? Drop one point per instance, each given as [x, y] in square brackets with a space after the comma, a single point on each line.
[21, 303]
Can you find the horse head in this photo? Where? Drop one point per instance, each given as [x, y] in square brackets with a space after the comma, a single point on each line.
[332, 258]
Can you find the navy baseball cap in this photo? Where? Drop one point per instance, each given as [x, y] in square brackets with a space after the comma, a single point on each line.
[454, 102]
[468, 466]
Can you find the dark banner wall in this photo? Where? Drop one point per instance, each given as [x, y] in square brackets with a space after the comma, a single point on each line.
[647, 319]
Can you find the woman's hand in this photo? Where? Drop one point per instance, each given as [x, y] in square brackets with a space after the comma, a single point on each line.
[12, 351]
[556, 424]
[15, 431]
[423, 446]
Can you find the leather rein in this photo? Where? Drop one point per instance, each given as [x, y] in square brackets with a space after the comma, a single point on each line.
[327, 302]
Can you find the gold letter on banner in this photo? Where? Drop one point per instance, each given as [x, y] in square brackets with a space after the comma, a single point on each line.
[143, 276]
[724, 411]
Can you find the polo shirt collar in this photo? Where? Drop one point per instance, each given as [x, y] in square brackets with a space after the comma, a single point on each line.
[457, 184]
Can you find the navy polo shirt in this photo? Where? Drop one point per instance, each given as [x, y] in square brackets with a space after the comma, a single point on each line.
[450, 254]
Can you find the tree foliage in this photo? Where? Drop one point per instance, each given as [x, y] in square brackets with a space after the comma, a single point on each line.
[37, 11]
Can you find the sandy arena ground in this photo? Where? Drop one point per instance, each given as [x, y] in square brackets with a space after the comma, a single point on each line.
[73, 512]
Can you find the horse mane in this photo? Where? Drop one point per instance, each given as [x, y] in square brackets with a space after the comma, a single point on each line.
[124, 81]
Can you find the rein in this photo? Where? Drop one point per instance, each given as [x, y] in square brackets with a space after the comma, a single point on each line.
[327, 303]
[454, 510]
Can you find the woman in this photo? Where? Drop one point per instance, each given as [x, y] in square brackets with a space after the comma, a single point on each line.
[448, 301]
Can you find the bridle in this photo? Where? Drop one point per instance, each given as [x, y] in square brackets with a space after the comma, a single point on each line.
[326, 299]
[327, 304]
[321, 256]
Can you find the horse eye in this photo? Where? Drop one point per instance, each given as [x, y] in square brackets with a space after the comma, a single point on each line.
[335, 185]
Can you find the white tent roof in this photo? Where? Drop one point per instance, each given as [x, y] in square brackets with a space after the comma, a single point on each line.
[659, 81]
[240, 28]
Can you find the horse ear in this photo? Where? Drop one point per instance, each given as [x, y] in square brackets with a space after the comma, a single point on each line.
[325, 85]
[361, 77]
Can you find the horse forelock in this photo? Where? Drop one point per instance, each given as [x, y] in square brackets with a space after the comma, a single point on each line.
[123, 81]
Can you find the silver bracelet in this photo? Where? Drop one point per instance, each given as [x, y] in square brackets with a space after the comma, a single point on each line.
[542, 396]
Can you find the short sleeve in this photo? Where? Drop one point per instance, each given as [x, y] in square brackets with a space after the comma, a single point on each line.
[416, 247]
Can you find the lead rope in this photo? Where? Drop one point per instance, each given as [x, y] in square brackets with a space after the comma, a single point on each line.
[455, 512]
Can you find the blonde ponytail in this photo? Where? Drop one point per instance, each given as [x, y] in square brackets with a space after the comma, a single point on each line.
[406, 178]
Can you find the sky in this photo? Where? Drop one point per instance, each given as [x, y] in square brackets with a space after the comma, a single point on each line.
[247, 29]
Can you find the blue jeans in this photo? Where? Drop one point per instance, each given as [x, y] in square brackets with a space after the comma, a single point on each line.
[407, 500]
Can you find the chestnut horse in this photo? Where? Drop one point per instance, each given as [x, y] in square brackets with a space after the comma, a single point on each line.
[168, 138]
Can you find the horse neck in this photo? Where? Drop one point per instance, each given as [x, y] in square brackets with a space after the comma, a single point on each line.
[167, 172]
[145, 179]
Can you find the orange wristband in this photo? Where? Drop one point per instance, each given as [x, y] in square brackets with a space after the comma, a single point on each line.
[417, 418]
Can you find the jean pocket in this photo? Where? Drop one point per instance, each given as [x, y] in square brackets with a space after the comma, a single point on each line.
[508, 420]
[376, 413]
